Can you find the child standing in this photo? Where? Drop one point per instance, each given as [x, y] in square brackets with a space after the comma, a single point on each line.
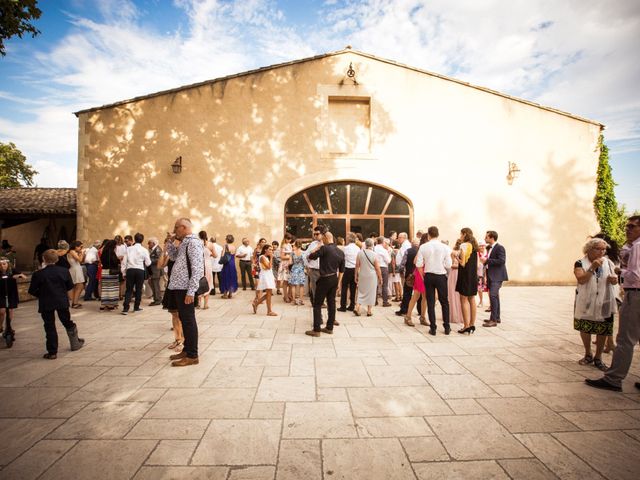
[51, 286]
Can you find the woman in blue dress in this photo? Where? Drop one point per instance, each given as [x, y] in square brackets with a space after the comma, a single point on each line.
[297, 278]
[229, 274]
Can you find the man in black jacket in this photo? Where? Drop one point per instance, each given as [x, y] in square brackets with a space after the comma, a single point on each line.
[496, 274]
[51, 286]
[331, 268]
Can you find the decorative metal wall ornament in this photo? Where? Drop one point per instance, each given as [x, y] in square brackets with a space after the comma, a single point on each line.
[514, 172]
[350, 75]
[176, 166]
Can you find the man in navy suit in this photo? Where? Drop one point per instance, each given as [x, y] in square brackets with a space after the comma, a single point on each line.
[51, 286]
[496, 274]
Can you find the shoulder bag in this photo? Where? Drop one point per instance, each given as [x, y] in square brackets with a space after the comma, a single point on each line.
[226, 256]
[203, 284]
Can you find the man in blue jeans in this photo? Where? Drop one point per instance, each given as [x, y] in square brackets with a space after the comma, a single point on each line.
[496, 274]
[187, 251]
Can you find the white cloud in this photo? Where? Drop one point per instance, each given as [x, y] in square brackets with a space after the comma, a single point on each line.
[576, 55]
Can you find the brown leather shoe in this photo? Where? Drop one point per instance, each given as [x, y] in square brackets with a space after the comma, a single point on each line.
[326, 330]
[336, 324]
[424, 322]
[409, 322]
[185, 362]
[312, 333]
[178, 356]
[490, 323]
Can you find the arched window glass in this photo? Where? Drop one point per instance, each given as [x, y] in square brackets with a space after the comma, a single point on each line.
[348, 207]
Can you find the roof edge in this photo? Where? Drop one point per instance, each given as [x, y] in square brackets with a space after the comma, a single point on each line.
[339, 52]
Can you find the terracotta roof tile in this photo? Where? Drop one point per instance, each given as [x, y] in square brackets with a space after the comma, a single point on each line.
[46, 201]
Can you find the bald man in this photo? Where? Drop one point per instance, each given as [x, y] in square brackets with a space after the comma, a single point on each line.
[187, 251]
[331, 269]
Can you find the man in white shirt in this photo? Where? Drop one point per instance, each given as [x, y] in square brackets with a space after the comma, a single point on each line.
[349, 277]
[216, 268]
[405, 244]
[435, 257]
[91, 263]
[384, 259]
[137, 260]
[244, 254]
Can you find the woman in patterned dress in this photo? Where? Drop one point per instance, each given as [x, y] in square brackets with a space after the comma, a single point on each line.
[297, 278]
[595, 301]
[283, 271]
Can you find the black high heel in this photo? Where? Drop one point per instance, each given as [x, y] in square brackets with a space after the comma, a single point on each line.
[469, 330]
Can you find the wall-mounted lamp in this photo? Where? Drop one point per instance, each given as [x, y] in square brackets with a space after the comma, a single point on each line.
[514, 171]
[176, 166]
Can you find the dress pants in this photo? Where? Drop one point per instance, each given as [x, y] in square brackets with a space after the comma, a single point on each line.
[627, 339]
[187, 314]
[314, 275]
[213, 276]
[91, 290]
[49, 318]
[326, 287]
[245, 269]
[348, 282]
[407, 292]
[135, 279]
[385, 285]
[494, 298]
[154, 283]
[435, 282]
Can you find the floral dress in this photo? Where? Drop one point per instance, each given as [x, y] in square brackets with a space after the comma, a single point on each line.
[297, 270]
[283, 269]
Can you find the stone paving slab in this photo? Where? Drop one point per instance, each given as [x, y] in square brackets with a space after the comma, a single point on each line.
[377, 400]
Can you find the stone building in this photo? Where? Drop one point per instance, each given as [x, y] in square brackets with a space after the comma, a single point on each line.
[350, 140]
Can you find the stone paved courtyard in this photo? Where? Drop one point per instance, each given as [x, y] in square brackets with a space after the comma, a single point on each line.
[377, 400]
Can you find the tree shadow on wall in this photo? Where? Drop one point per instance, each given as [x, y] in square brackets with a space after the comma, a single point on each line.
[240, 140]
[550, 239]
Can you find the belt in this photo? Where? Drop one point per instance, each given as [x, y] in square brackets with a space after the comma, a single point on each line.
[245, 260]
[632, 289]
[328, 275]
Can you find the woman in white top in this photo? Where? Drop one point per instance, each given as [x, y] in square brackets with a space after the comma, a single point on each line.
[75, 258]
[266, 280]
[208, 254]
[216, 268]
[368, 276]
[595, 301]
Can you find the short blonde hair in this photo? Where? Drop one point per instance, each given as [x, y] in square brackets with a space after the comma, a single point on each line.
[592, 243]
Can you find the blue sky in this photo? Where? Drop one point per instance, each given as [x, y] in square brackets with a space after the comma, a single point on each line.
[575, 55]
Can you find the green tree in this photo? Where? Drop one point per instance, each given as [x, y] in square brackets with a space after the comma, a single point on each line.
[15, 19]
[14, 169]
[610, 215]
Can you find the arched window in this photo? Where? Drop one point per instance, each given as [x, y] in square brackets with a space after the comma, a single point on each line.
[348, 207]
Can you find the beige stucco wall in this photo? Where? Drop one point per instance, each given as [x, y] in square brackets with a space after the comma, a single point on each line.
[250, 142]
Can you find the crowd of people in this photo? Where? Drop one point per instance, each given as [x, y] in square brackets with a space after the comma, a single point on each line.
[361, 272]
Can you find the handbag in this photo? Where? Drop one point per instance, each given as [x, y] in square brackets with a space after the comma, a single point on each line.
[226, 257]
[203, 284]
[410, 279]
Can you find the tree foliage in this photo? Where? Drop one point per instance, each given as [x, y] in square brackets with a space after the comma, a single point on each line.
[15, 19]
[610, 215]
[14, 169]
